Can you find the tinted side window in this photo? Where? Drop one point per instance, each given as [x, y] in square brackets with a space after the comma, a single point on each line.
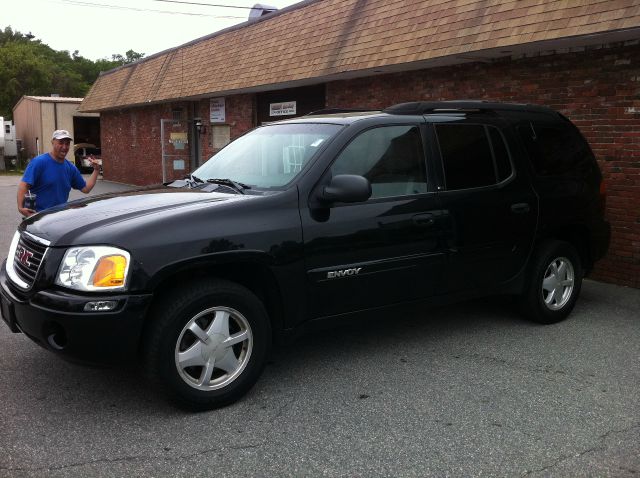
[390, 157]
[556, 150]
[470, 159]
[503, 165]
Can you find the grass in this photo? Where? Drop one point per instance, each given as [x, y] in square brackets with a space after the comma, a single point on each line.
[12, 172]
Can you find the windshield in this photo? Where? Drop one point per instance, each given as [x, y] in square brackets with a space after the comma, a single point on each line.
[269, 156]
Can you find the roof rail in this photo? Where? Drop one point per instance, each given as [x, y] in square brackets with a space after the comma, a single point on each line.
[458, 106]
[330, 111]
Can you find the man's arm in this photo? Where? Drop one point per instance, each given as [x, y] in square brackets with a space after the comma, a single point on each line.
[22, 190]
[91, 182]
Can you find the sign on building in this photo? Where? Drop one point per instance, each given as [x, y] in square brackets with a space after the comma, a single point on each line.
[178, 140]
[220, 136]
[217, 110]
[286, 108]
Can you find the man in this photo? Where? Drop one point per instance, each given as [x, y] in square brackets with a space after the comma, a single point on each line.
[50, 176]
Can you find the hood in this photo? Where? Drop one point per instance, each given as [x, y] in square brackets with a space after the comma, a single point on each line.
[66, 223]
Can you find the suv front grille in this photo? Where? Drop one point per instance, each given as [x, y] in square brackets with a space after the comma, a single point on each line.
[28, 258]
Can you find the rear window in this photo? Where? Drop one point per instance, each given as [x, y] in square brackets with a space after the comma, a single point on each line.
[556, 150]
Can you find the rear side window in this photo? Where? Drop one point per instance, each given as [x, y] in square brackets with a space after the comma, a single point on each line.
[556, 150]
[472, 155]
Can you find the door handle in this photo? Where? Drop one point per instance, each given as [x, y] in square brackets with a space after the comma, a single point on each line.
[424, 220]
[520, 208]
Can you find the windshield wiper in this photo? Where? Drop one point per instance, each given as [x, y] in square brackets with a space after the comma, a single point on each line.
[193, 181]
[190, 182]
[240, 187]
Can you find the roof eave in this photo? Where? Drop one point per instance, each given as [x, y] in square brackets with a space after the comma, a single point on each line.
[514, 51]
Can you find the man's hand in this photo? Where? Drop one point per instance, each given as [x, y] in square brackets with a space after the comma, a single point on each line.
[23, 189]
[95, 163]
[26, 212]
[91, 180]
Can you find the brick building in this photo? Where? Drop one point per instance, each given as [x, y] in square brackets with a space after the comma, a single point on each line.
[164, 115]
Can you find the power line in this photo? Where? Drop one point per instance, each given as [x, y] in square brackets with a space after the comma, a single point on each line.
[120, 7]
[203, 4]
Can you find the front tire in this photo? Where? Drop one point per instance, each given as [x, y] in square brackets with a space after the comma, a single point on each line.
[553, 286]
[208, 344]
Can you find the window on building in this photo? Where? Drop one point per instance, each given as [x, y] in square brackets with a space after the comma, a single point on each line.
[176, 116]
[472, 155]
[391, 158]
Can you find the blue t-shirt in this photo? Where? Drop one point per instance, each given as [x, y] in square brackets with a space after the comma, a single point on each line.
[52, 181]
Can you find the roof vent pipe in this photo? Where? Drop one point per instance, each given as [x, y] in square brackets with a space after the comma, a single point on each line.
[259, 9]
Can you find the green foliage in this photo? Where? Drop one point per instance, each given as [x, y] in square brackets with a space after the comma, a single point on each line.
[130, 57]
[29, 67]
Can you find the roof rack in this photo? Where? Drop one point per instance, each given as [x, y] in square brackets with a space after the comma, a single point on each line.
[458, 106]
[330, 111]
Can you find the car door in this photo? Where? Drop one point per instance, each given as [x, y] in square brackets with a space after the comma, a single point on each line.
[489, 209]
[384, 250]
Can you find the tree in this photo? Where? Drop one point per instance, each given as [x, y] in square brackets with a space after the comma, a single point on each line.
[130, 57]
[8, 35]
[29, 67]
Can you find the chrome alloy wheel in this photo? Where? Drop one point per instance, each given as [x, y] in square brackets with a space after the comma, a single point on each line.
[213, 348]
[558, 283]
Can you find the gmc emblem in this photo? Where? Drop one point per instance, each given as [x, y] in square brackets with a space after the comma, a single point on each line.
[23, 256]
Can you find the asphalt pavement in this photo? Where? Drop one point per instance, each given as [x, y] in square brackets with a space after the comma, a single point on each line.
[464, 390]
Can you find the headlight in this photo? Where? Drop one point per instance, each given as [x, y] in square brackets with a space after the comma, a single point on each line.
[92, 268]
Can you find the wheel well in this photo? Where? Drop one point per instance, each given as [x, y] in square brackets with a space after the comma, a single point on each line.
[578, 238]
[255, 277]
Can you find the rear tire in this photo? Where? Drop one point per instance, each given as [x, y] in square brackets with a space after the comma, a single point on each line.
[553, 286]
[207, 344]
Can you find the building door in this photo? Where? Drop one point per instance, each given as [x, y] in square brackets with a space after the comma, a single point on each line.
[176, 154]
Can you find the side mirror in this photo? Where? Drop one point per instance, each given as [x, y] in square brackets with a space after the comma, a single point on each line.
[346, 188]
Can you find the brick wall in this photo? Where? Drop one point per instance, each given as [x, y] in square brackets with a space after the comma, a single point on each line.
[598, 89]
[240, 116]
[131, 139]
[131, 148]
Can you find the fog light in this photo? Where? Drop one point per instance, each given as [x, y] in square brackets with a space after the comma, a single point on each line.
[100, 305]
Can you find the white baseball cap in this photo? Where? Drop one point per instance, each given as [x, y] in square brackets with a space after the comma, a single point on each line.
[61, 134]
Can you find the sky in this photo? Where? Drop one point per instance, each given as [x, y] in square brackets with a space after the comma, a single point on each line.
[101, 28]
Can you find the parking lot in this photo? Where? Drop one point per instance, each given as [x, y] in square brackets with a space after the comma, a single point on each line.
[464, 390]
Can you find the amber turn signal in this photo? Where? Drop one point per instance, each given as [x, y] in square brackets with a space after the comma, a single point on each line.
[109, 271]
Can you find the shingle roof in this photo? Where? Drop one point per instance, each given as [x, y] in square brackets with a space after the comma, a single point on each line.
[330, 39]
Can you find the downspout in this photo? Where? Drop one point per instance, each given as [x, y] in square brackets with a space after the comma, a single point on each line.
[195, 126]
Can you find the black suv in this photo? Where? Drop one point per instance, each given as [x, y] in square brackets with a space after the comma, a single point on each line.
[310, 220]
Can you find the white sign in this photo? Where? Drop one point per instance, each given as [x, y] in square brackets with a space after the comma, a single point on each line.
[221, 136]
[217, 110]
[282, 109]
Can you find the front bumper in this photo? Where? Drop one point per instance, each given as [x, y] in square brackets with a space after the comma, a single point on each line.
[56, 321]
